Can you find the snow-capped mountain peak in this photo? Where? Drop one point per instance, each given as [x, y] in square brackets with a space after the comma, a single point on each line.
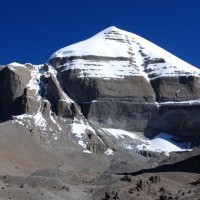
[96, 90]
[135, 55]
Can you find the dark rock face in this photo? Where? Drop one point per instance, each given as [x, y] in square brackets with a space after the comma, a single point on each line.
[120, 114]
[56, 97]
[129, 103]
[121, 103]
[13, 92]
[136, 89]
[182, 88]
[176, 119]
[17, 98]
[110, 94]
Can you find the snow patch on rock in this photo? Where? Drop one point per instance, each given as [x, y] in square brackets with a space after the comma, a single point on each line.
[163, 142]
[40, 121]
[119, 133]
[16, 64]
[109, 152]
[166, 143]
[34, 82]
[87, 151]
[79, 129]
[189, 102]
[54, 121]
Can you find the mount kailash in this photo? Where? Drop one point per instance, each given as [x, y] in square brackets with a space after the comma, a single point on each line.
[112, 98]
[103, 89]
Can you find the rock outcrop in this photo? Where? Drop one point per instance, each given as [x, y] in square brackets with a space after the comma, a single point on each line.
[179, 119]
[13, 92]
[176, 89]
[60, 102]
[81, 90]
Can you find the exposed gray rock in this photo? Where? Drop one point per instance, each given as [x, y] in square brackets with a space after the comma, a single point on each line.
[13, 91]
[120, 114]
[175, 119]
[121, 103]
[55, 95]
[178, 88]
[136, 89]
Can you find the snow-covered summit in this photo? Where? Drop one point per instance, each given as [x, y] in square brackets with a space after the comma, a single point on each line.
[134, 55]
[101, 44]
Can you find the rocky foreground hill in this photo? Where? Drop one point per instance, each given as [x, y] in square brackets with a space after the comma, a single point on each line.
[111, 117]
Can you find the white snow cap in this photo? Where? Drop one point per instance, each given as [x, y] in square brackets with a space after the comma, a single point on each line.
[141, 57]
[96, 45]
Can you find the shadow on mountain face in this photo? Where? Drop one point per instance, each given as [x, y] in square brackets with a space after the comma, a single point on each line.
[191, 165]
[177, 118]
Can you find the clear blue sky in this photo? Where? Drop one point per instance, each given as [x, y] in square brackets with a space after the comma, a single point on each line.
[31, 30]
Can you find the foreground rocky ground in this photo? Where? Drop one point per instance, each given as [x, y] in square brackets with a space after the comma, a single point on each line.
[32, 171]
[162, 184]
